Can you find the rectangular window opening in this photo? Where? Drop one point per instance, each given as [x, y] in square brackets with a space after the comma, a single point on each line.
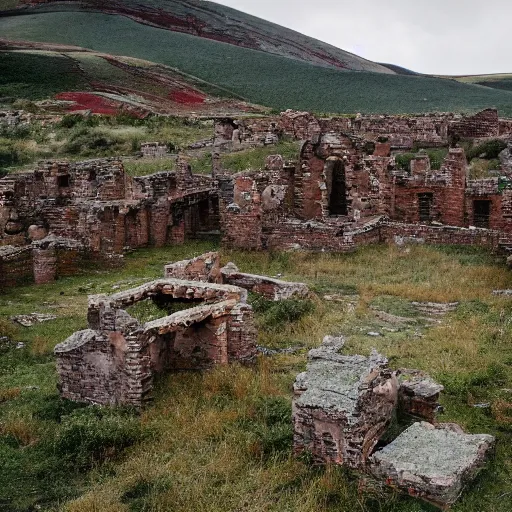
[425, 206]
[481, 213]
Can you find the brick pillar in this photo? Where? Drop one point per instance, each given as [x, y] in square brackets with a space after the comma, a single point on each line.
[159, 221]
[45, 265]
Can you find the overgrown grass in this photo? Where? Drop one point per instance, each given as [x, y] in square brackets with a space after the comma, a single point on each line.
[76, 137]
[255, 158]
[436, 156]
[221, 440]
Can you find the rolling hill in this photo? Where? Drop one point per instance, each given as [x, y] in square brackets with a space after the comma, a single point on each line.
[497, 81]
[106, 84]
[216, 22]
[259, 77]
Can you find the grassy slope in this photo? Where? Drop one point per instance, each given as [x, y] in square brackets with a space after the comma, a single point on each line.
[501, 81]
[224, 22]
[220, 441]
[261, 78]
[38, 77]
[77, 139]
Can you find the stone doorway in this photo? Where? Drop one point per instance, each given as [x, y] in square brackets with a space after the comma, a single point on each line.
[338, 189]
[481, 213]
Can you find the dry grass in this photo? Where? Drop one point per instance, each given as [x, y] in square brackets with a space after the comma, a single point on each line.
[209, 443]
[9, 394]
[23, 430]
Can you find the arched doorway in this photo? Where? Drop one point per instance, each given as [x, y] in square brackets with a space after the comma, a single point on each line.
[336, 187]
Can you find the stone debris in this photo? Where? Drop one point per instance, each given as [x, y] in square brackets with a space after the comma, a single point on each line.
[392, 319]
[435, 308]
[154, 150]
[202, 268]
[342, 405]
[506, 293]
[482, 406]
[33, 318]
[277, 351]
[432, 463]
[418, 394]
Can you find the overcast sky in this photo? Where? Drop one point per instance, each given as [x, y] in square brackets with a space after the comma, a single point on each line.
[428, 36]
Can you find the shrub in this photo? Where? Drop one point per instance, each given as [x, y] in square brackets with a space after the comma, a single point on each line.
[70, 120]
[94, 434]
[274, 314]
[55, 408]
[403, 161]
[488, 150]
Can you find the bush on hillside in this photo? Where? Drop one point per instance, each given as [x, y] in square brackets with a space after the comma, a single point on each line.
[488, 150]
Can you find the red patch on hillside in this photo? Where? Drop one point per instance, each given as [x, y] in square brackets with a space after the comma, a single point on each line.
[187, 97]
[87, 101]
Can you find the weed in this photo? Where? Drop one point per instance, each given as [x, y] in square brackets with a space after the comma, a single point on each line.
[488, 150]
[94, 434]
[275, 314]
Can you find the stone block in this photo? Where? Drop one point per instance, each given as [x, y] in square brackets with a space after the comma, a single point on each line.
[342, 405]
[432, 463]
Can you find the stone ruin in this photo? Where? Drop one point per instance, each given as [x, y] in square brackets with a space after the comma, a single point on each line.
[345, 190]
[342, 194]
[14, 118]
[344, 404]
[115, 360]
[54, 218]
[154, 150]
[400, 131]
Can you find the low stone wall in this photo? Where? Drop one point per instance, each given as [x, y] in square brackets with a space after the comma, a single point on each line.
[114, 361]
[440, 235]
[272, 289]
[16, 266]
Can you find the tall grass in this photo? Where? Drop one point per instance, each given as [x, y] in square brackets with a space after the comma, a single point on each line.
[221, 440]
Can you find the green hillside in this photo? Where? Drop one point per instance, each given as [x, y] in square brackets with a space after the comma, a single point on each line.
[35, 76]
[211, 20]
[497, 81]
[261, 78]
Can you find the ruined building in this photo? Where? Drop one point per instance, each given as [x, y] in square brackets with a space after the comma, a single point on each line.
[344, 190]
[61, 213]
[205, 321]
[343, 406]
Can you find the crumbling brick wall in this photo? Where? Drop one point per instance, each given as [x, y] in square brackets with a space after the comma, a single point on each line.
[96, 205]
[115, 359]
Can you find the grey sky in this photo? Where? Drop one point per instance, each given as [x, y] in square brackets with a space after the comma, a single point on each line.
[428, 36]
